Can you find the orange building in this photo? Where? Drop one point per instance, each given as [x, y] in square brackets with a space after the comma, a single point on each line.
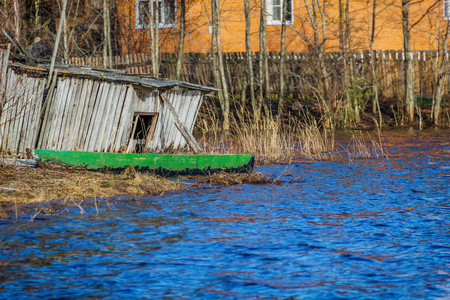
[134, 33]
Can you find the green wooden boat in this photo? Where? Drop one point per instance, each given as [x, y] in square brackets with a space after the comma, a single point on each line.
[164, 164]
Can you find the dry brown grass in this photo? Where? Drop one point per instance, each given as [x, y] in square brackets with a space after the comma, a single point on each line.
[364, 146]
[294, 139]
[24, 185]
[222, 178]
[272, 141]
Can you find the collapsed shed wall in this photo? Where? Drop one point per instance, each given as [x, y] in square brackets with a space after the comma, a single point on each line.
[20, 109]
[90, 113]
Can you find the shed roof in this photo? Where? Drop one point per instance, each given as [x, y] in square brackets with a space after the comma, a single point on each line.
[114, 76]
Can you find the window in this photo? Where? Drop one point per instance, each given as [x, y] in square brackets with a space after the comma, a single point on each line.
[447, 10]
[167, 13]
[143, 127]
[275, 12]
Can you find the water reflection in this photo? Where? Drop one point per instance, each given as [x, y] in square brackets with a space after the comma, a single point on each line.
[340, 230]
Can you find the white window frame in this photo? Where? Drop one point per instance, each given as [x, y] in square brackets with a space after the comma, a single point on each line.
[447, 10]
[270, 15]
[165, 23]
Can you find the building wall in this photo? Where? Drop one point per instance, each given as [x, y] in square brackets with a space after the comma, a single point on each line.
[93, 115]
[86, 114]
[389, 34]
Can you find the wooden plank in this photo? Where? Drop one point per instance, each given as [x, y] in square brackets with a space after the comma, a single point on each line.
[197, 99]
[12, 113]
[79, 114]
[4, 69]
[5, 120]
[93, 102]
[185, 110]
[17, 114]
[28, 114]
[36, 113]
[78, 104]
[158, 133]
[172, 130]
[113, 119]
[58, 113]
[91, 88]
[46, 112]
[135, 106]
[105, 117]
[186, 134]
[182, 111]
[74, 122]
[67, 113]
[58, 121]
[92, 127]
[166, 121]
[191, 114]
[124, 121]
[179, 101]
[31, 86]
[51, 110]
[155, 106]
[97, 133]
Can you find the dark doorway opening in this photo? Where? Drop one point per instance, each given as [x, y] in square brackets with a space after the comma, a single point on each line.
[143, 128]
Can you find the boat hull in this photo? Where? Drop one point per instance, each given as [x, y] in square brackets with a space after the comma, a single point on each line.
[164, 164]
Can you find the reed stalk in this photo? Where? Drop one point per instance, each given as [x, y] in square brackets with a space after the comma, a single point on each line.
[270, 140]
[298, 138]
[364, 146]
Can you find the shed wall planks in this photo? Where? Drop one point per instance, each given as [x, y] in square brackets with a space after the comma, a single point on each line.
[85, 113]
[20, 111]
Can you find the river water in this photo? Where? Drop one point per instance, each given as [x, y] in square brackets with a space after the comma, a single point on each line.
[344, 229]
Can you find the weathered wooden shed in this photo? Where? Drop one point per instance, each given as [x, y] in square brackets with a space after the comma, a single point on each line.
[88, 109]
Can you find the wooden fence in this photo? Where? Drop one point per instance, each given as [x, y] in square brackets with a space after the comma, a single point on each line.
[198, 68]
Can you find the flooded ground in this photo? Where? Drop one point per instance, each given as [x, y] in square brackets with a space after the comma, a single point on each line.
[327, 230]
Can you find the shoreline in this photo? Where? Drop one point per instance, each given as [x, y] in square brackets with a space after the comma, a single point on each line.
[22, 188]
[50, 190]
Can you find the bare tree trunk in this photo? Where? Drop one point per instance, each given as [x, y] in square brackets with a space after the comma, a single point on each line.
[343, 49]
[348, 40]
[249, 60]
[156, 42]
[266, 75]
[226, 100]
[109, 42]
[375, 102]
[181, 40]
[441, 78]
[220, 73]
[58, 37]
[262, 57]
[37, 17]
[154, 36]
[214, 50]
[282, 59]
[314, 11]
[107, 51]
[65, 42]
[17, 19]
[409, 83]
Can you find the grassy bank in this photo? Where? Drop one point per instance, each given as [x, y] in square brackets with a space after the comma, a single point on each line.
[21, 187]
[49, 189]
